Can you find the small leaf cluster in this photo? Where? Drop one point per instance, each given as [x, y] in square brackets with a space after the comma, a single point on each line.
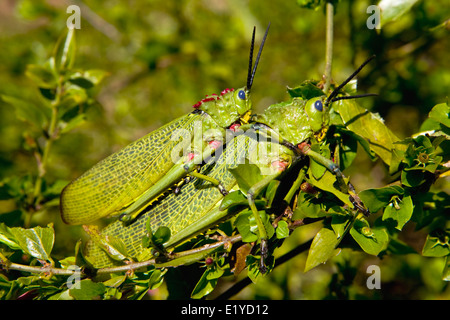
[64, 94]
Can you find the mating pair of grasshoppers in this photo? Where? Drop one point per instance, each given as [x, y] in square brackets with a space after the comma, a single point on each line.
[289, 139]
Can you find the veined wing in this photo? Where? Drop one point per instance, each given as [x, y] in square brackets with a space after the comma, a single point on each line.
[119, 179]
[185, 214]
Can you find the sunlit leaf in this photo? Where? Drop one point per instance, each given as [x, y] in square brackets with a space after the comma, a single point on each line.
[441, 113]
[393, 9]
[204, 286]
[368, 125]
[371, 240]
[64, 52]
[400, 213]
[375, 199]
[436, 246]
[322, 248]
[282, 230]
[37, 242]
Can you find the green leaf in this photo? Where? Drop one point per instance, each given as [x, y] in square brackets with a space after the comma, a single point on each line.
[282, 230]
[215, 272]
[88, 290]
[247, 227]
[371, 240]
[391, 10]
[398, 247]
[88, 79]
[204, 286]
[309, 208]
[339, 224]
[115, 281]
[436, 246]
[441, 113]
[8, 238]
[43, 76]
[156, 279]
[232, 199]
[326, 183]
[316, 168]
[242, 223]
[322, 248]
[271, 191]
[73, 123]
[37, 242]
[349, 138]
[375, 199]
[307, 90]
[446, 272]
[64, 52]
[246, 175]
[369, 126]
[401, 214]
[161, 235]
[412, 178]
[27, 111]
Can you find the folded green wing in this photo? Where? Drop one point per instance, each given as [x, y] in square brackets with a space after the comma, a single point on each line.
[119, 179]
[188, 213]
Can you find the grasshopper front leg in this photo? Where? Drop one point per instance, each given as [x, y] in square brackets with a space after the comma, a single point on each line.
[251, 195]
[271, 165]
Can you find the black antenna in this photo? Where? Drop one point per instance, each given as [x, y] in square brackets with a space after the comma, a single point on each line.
[250, 60]
[335, 92]
[251, 73]
[354, 97]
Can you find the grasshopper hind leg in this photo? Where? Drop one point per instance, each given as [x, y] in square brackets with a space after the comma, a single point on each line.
[213, 181]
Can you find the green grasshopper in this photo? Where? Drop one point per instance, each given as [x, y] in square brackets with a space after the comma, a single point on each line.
[197, 208]
[128, 181]
[295, 126]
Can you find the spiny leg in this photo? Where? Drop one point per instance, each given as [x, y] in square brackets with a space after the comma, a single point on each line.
[251, 194]
[213, 181]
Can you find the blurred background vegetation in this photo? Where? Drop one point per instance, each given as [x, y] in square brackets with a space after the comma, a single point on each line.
[164, 56]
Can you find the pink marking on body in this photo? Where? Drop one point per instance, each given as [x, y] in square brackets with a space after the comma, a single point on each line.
[190, 156]
[226, 91]
[214, 144]
[208, 98]
[304, 147]
[279, 165]
[198, 104]
[211, 98]
[235, 127]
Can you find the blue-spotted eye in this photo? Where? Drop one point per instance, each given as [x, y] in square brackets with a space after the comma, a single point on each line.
[318, 105]
[241, 95]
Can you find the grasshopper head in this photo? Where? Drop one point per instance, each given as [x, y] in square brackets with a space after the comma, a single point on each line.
[228, 107]
[318, 115]
[233, 105]
[242, 103]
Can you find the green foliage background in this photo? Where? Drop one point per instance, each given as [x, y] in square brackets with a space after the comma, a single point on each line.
[163, 56]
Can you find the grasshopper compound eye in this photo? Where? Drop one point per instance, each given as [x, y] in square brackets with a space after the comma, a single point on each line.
[318, 105]
[241, 95]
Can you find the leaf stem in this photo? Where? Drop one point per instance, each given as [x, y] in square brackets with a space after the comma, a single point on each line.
[329, 46]
[42, 159]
